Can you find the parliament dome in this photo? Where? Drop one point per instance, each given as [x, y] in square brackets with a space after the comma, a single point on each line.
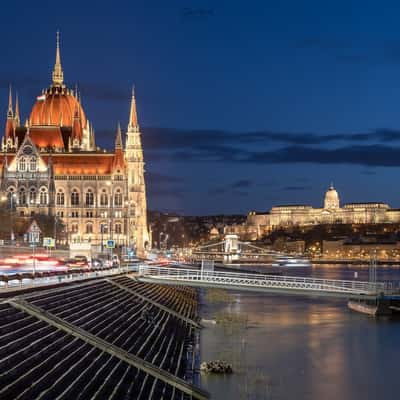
[56, 107]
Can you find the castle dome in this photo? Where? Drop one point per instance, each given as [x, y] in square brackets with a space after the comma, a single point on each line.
[331, 198]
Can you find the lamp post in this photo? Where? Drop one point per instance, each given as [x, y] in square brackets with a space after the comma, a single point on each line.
[12, 197]
[111, 216]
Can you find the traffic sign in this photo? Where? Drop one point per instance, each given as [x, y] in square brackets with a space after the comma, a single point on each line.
[110, 244]
[49, 242]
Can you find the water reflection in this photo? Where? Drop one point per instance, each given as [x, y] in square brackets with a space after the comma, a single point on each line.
[303, 348]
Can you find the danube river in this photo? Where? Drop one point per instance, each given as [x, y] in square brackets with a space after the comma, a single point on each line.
[290, 347]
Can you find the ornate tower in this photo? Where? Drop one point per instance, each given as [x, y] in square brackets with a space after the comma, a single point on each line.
[138, 233]
[58, 75]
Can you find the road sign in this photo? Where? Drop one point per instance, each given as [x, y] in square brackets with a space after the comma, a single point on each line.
[49, 242]
[110, 244]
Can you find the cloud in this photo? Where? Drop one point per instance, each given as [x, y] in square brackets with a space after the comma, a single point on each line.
[242, 184]
[296, 188]
[368, 155]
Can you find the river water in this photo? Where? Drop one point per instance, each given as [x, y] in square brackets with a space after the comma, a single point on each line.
[291, 347]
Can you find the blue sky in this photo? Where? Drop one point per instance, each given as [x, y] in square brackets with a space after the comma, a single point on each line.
[242, 105]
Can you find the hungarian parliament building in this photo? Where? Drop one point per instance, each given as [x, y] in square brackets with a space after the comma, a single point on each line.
[51, 165]
[286, 216]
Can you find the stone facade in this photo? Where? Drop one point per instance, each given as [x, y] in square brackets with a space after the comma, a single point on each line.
[52, 165]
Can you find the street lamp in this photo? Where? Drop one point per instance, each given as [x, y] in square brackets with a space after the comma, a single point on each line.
[12, 197]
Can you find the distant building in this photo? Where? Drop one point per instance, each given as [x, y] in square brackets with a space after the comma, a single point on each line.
[286, 216]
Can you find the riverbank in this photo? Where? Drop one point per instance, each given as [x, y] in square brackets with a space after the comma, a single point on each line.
[294, 347]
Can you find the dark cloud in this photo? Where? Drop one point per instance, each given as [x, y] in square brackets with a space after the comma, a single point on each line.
[242, 184]
[368, 155]
[161, 179]
[296, 188]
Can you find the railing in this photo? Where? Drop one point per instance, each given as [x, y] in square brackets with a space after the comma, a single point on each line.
[28, 280]
[289, 283]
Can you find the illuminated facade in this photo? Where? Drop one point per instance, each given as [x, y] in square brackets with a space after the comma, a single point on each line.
[51, 165]
[258, 224]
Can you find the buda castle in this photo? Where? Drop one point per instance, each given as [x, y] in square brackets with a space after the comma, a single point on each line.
[52, 165]
[286, 216]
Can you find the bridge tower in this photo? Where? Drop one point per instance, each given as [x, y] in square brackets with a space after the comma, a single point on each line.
[232, 248]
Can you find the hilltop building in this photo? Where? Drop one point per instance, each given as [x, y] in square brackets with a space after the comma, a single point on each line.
[52, 165]
[286, 216]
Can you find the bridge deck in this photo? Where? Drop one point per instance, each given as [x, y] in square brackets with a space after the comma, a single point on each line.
[263, 283]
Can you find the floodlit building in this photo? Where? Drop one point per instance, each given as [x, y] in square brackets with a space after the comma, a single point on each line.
[52, 165]
[286, 216]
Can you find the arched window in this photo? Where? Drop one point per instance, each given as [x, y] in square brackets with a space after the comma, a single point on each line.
[104, 198]
[22, 164]
[89, 197]
[118, 198]
[75, 198]
[22, 196]
[104, 227]
[32, 164]
[74, 228]
[32, 196]
[60, 198]
[118, 228]
[43, 196]
[89, 227]
[11, 197]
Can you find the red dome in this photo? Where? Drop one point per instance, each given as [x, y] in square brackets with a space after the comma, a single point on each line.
[56, 107]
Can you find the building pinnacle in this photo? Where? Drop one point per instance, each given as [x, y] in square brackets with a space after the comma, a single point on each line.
[58, 75]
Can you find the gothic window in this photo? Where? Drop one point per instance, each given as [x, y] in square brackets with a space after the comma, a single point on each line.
[60, 198]
[104, 227]
[118, 198]
[89, 228]
[43, 197]
[22, 196]
[32, 164]
[74, 228]
[104, 198]
[22, 164]
[89, 197]
[74, 198]
[32, 196]
[118, 228]
[11, 197]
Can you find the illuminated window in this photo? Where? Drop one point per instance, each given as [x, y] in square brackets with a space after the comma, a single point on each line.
[74, 197]
[32, 196]
[43, 196]
[74, 228]
[32, 164]
[22, 164]
[89, 198]
[118, 198]
[103, 198]
[118, 228]
[60, 198]
[104, 227]
[89, 228]
[22, 196]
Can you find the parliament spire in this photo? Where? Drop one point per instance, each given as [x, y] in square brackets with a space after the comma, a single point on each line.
[58, 75]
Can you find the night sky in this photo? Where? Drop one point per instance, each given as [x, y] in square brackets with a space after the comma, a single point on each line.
[242, 104]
